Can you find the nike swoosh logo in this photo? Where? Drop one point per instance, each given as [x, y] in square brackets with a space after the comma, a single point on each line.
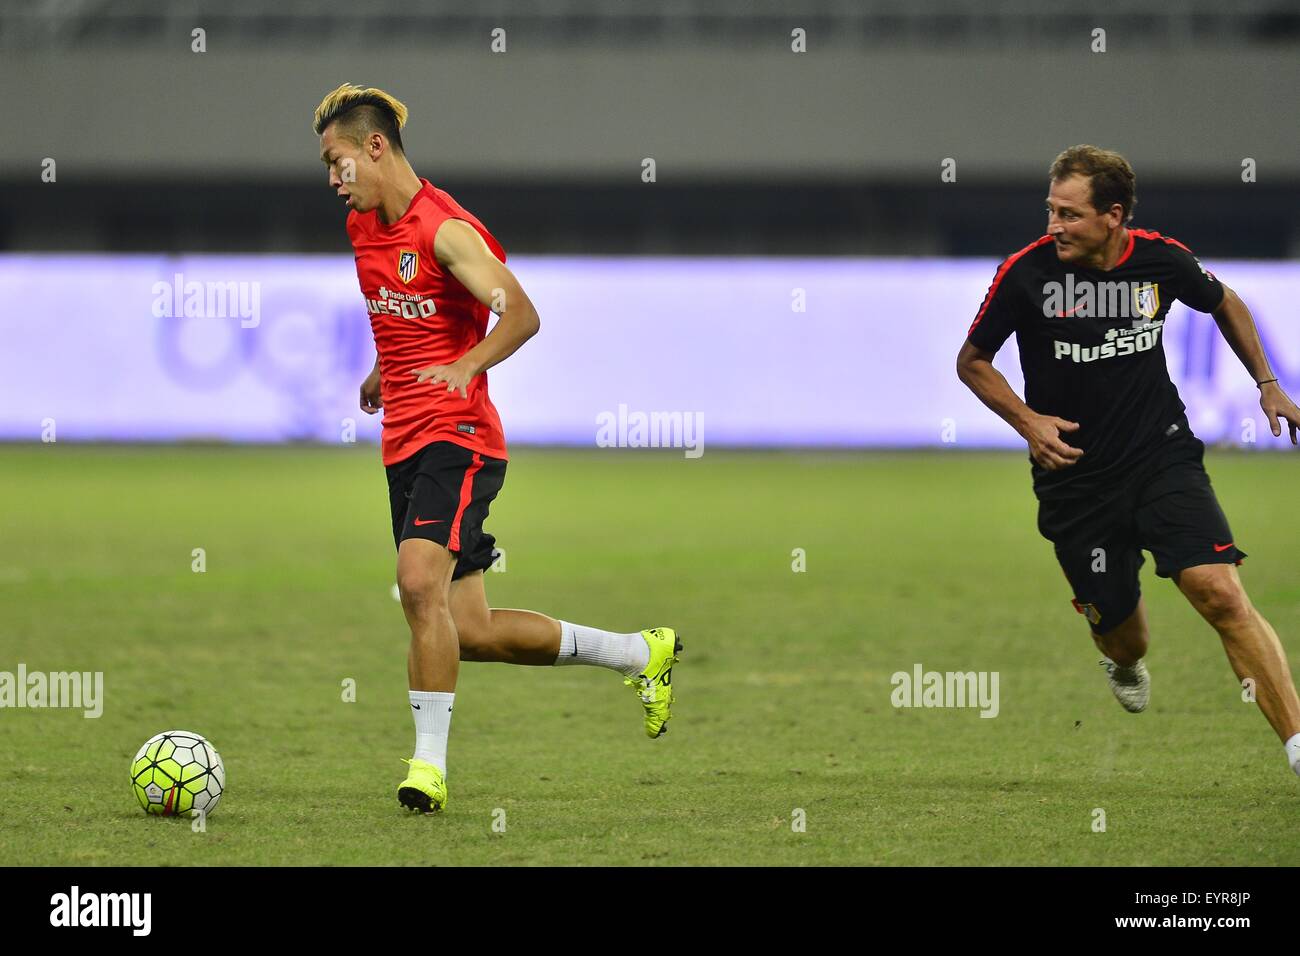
[1223, 547]
[1062, 315]
[418, 522]
[416, 706]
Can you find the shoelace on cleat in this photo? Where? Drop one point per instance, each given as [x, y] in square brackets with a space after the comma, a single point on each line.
[1128, 676]
[645, 688]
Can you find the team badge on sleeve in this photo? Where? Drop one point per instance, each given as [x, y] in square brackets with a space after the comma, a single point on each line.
[408, 264]
[1146, 300]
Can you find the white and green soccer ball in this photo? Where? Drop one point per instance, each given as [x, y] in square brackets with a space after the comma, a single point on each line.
[178, 773]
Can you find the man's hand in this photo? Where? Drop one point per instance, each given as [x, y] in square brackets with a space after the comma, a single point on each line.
[1042, 432]
[457, 375]
[1045, 444]
[371, 399]
[1277, 405]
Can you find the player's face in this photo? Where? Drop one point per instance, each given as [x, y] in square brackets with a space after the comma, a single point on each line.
[1079, 230]
[349, 173]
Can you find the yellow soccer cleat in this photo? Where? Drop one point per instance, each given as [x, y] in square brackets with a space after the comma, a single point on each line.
[425, 789]
[654, 684]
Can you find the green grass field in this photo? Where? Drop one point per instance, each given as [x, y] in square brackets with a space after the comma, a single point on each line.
[783, 690]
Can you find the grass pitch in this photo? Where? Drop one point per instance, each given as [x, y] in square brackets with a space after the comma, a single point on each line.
[784, 686]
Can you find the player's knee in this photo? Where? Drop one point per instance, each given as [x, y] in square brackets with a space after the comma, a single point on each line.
[1224, 604]
[422, 593]
[1135, 633]
[1123, 644]
[475, 639]
[1133, 641]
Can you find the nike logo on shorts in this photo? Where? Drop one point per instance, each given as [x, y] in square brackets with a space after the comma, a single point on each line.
[1223, 547]
[418, 522]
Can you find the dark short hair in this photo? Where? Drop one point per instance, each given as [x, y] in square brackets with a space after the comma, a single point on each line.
[1110, 177]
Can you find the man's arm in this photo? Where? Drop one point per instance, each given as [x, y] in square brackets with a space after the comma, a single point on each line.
[1238, 328]
[371, 398]
[460, 250]
[1042, 432]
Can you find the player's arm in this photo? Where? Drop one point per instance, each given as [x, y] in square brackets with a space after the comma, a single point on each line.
[1042, 432]
[1238, 328]
[460, 250]
[371, 399]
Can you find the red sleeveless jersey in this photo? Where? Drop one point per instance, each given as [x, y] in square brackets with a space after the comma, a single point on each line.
[421, 315]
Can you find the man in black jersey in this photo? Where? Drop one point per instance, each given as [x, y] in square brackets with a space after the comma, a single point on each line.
[1116, 468]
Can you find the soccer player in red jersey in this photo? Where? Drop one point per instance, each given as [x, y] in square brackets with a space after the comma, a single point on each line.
[1116, 467]
[430, 273]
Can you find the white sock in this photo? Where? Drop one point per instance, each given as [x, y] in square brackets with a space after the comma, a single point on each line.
[432, 712]
[626, 653]
[1293, 752]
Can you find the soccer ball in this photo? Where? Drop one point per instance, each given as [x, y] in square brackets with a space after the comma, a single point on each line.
[178, 773]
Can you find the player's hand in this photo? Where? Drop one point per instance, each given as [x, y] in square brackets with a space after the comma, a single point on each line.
[371, 400]
[1277, 405]
[457, 375]
[1046, 445]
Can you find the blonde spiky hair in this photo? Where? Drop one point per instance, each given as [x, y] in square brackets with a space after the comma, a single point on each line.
[362, 109]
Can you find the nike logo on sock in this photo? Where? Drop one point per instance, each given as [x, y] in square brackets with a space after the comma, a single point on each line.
[416, 706]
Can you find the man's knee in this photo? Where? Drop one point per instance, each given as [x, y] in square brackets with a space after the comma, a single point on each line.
[475, 639]
[424, 577]
[1225, 606]
[1133, 626]
[1129, 638]
[1218, 596]
[473, 620]
[423, 593]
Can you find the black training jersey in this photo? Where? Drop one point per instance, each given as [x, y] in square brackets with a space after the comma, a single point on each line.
[1091, 351]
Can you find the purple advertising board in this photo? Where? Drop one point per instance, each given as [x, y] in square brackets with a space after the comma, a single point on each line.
[749, 351]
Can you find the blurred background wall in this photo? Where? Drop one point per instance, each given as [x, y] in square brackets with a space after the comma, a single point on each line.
[758, 149]
[800, 270]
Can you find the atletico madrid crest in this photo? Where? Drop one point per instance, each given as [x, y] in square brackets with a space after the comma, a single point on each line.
[408, 264]
[1087, 610]
[1146, 300]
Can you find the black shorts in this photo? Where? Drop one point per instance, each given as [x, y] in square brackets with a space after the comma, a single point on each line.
[1165, 506]
[442, 493]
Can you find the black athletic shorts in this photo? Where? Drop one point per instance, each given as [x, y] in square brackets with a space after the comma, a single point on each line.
[442, 493]
[1165, 506]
